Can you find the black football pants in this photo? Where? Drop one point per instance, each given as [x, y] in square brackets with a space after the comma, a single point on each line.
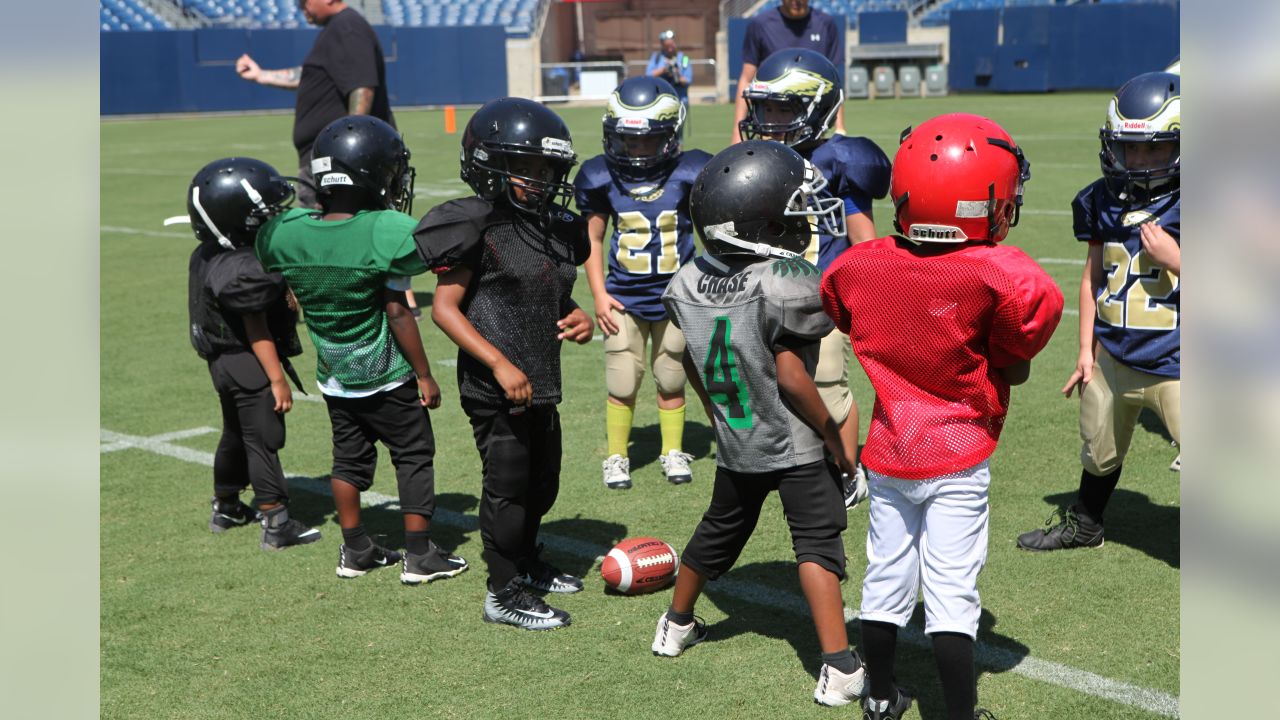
[252, 431]
[520, 456]
[811, 501]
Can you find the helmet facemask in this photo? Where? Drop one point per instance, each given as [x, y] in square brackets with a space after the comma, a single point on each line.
[762, 237]
[796, 124]
[1127, 170]
[540, 194]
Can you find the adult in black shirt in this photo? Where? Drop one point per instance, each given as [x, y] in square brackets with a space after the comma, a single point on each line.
[343, 74]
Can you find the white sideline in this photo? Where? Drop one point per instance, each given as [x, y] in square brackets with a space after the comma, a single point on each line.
[1045, 671]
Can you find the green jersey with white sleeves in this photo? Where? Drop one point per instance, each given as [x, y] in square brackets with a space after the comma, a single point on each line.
[339, 271]
[734, 318]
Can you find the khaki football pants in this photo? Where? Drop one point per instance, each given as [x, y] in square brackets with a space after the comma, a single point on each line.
[832, 375]
[1109, 408]
[624, 361]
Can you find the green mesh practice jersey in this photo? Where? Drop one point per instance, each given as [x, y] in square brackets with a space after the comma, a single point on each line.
[338, 270]
[733, 319]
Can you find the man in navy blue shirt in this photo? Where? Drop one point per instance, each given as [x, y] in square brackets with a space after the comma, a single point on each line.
[791, 24]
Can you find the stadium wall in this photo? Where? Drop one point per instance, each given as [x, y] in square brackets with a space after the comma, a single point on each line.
[1076, 47]
[193, 70]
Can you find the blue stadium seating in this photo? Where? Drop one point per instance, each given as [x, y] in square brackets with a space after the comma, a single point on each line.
[516, 15]
[128, 15]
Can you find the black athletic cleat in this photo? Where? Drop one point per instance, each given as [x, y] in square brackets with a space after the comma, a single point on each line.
[436, 564]
[545, 577]
[983, 714]
[1074, 528]
[354, 563]
[515, 605]
[229, 514]
[873, 709]
[280, 531]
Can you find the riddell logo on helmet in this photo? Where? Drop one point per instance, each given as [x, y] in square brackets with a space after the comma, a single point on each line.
[1135, 124]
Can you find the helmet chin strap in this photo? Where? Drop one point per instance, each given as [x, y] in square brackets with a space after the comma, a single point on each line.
[724, 233]
[222, 239]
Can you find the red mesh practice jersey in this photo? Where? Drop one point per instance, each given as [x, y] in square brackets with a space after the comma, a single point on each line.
[930, 326]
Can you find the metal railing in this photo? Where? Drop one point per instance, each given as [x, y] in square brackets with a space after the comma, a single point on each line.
[567, 78]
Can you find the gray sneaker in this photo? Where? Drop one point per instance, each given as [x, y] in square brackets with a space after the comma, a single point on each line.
[1074, 528]
[617, 472]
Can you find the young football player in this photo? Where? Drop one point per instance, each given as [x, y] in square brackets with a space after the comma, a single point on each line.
[794, 99]
[752, 321]
[349, 266]
[641, 183]
[507, 259]
[1130, 298]
[976, 312]
[242, 325]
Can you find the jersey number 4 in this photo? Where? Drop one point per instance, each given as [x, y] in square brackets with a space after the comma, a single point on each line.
[1149, 285]
[634, 233]
[720, 377]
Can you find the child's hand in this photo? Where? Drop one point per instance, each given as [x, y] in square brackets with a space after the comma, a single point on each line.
[283, 396]
[605, 305]
[1160, 245]
[514, 382]
[1082, 375]
[575, 326]
[429, 391]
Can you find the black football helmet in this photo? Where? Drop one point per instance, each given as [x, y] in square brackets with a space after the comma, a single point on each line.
[761, 198]
[1145, 111]
[364, 152]
[229, 199]
[803, 80]
[509, 128]
[642, 106]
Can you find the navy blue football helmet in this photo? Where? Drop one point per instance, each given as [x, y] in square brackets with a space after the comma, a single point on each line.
[642, 106]
[229, 199]
[508, 129]
[807, 83]
[1143, 119]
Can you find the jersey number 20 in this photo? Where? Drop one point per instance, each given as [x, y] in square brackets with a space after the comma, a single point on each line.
[720, 376]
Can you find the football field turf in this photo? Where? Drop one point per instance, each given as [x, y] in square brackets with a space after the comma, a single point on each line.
[201, 626]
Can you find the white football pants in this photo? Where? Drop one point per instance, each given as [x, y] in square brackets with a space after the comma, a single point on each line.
[929, 534]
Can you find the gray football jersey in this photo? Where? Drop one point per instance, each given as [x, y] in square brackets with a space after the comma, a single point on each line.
[732, 321]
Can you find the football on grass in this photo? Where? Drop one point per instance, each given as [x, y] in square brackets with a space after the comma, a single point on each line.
[639, 565]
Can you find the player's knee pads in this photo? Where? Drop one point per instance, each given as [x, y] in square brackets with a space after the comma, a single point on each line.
[623, 371]
[353, 477]
[668, 373]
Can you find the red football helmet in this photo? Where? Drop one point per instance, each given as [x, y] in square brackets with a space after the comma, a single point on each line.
[957, 178]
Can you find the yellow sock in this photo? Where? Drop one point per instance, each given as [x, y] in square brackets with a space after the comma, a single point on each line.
[617, 425]
[671, 424]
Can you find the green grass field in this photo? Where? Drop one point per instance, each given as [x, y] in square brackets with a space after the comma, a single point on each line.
[202, 626]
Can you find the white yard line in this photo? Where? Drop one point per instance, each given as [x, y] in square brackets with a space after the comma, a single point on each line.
[116, 230]
[1045, 671]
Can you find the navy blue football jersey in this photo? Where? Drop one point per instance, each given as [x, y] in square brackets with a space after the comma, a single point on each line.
[857, 171]
[1138, 318]
[652, 232]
